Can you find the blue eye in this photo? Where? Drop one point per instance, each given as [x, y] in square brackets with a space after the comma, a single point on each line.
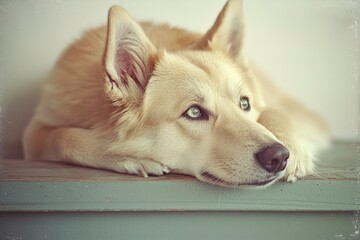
[245, 104]
[196, 113]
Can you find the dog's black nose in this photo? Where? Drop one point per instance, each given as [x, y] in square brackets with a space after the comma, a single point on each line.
[273, 158]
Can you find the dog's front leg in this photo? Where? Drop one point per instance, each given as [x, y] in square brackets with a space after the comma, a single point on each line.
[83, 147]
[300, 162]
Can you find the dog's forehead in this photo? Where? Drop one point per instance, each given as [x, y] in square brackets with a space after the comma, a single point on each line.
[216, 65]
[202, 69]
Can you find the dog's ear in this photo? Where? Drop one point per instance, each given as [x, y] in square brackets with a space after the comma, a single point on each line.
[129, 57]
[227, 33]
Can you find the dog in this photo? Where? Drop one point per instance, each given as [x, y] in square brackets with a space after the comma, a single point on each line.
[148, 99]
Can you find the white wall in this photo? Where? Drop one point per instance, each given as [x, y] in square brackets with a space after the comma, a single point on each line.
[309, 47]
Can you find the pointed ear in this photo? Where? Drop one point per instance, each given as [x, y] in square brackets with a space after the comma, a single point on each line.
[129, 57]
[227, 33]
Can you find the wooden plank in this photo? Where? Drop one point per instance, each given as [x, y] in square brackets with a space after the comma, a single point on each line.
[179, 225]
[175, 196]
[43, 186]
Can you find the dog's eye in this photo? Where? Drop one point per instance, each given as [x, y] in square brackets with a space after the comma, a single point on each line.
[196, 113]
[245, 104]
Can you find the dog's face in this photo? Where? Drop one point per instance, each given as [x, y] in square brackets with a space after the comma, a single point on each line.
[196, 110]
[205, 111]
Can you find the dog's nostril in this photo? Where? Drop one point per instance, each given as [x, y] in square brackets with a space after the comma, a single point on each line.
[273, 158]
[274, 162]
[283, 165]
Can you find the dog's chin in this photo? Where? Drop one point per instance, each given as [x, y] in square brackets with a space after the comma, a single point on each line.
[248, 184]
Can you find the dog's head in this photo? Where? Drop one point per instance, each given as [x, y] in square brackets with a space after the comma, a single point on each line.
[194, 110]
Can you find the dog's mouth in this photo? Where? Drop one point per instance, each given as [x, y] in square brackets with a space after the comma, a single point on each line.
[213, 179]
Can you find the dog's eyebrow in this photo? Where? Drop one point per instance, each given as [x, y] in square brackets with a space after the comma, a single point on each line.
[198, 93]
[241, 84]
[200, 97]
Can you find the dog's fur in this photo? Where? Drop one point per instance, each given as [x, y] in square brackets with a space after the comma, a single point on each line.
[117, 99]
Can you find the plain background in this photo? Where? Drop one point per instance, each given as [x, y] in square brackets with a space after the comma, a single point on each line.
[309, 47]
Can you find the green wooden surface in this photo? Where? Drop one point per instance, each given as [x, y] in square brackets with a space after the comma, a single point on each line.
[178, 225]
[57, 201]
[326, 195]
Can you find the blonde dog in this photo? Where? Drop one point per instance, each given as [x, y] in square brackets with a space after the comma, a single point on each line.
[151, 99]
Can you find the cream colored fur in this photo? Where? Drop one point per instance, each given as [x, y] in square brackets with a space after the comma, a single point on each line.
[117, 97]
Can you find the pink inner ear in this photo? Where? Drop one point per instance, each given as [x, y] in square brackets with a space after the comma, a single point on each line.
[124, 66]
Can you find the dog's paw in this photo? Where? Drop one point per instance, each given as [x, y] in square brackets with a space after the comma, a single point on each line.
[143, 168]
[300, 162]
